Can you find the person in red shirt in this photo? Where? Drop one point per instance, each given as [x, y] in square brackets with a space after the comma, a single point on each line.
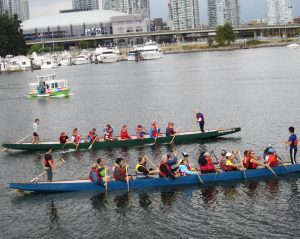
[63, 138]
[272, 158]
[124, 133]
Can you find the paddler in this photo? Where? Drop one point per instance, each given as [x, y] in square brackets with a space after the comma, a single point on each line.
[170, 129]
[141, 168]
[206, 164]
[229, 163]
[49, 165]
[119, 171]
[140, 132]
[124, 135]
[251, 161]
[99, 172]
[75, 139]
[272, 158]
[108, 133]
[185, 168]
[165, 169]
[154, 130]
[200, 120]
[35, 132]
[63, 138]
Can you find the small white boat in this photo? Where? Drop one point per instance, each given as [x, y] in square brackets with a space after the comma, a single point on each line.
[65, 59]
[132, 55]
[293, 46]
[109, 56]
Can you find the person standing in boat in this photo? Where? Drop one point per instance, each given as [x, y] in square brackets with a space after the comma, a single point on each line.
[154, 131]
[141, 168]
[200, 120]
[108, 133]
[124, 135]
[170, 129]
[35, 132]
[119, 170]
[293, 143]
[140, 132]
[49, 165]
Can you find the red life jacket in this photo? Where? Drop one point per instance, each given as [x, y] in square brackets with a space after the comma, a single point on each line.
[62, 139]
[209, 166]
[108, 134]
[94, 173]
[161, 173]
[225, 167]
[46, 161]
[272, 161]
[77, 138]
[154, 133]
[122, 170]
[248, 164]
[185, 174]
[124, 134]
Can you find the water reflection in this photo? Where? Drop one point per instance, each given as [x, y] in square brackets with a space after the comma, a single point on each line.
[209, 195]
[144, 200]
[272, 188]
[100, 201]
[252, 188]
[53, 215]
[168, 197]
[123, 203]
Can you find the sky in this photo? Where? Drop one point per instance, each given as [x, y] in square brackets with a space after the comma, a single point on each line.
[250, 9]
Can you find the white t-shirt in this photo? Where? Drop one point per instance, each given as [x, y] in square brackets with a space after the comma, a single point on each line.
[35, 128]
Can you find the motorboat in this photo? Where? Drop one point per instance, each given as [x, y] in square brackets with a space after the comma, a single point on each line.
[49, 63]
[150, 51]
[48, 86]
[109, 55]
[293, 46]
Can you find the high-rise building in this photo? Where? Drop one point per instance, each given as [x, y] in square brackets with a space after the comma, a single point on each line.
[85, 4]
[224, 11]
[279, 12]
[19, 7]
[1, 7]
[128, 6]
[184, 14]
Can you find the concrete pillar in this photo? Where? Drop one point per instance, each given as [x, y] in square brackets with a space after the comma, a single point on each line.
[254, 34]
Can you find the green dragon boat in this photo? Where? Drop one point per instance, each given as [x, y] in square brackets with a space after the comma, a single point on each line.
[179, 138]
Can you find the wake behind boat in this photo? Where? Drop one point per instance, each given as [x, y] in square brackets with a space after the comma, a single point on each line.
[184, 137]
[149, 183]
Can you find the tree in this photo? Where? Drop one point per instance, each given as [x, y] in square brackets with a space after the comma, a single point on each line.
[83, 44]
[210, 41]
[225, 34]
[11, 36]
[36, 48]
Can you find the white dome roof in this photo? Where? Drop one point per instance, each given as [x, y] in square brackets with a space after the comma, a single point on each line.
[74, 18]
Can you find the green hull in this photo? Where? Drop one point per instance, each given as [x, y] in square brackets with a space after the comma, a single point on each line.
[180, 138]
[64, 93]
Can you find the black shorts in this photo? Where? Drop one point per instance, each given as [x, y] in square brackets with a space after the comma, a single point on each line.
[35, 134]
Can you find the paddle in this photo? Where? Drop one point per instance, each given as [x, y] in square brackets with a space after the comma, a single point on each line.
[93, 142]
[193, 126]
[268, 167]
[242, 165]
[127, 179]
[106, 181]
[61, 163]
[198, 174]
[174, 135]
[18, 142]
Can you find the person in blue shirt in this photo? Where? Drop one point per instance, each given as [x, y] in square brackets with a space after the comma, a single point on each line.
[200, 120]
[185, 168]
[293, 143]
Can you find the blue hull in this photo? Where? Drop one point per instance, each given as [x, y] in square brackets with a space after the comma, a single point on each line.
[86, 185]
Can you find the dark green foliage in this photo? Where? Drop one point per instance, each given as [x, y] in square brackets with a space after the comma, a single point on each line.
[225, 34]
[210, 41]
[11, 36]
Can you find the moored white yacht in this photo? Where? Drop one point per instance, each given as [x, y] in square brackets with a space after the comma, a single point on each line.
[293, 46]
[49, 63]
[81, 59]
[150, 51]
[109, 56]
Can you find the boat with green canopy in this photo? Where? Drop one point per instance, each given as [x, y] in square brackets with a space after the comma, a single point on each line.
[179, 138]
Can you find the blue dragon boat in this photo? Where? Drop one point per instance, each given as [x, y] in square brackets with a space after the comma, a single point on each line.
[149, 183]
